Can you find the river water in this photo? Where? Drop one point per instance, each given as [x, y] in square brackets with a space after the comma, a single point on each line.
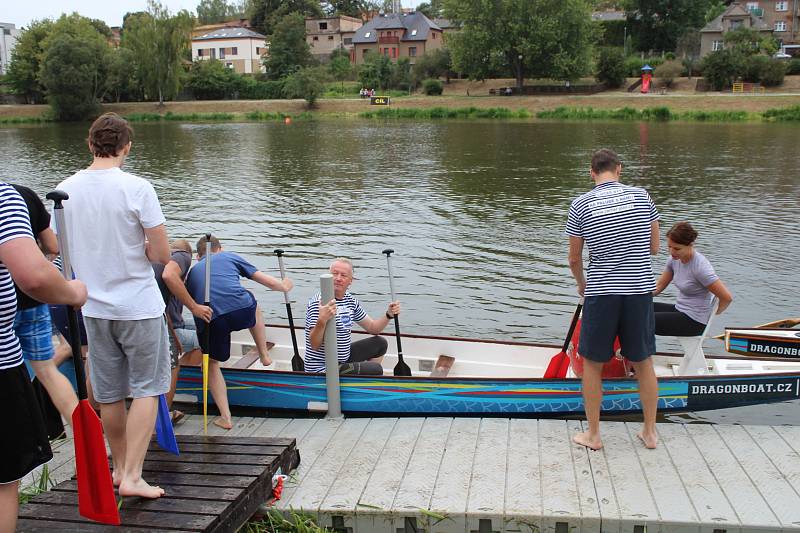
[474, 210]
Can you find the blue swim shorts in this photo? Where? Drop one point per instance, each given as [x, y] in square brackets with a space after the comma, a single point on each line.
[35, 333]
[630, 317]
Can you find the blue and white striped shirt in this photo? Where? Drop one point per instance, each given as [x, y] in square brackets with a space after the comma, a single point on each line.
[615, 221]
[348, 310]
[14, 224]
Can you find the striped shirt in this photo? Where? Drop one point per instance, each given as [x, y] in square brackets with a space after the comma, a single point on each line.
[615, 221]
[348, 310]
[14, 223]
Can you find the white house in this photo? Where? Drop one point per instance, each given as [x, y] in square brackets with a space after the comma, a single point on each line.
[8, 39]
[239, 49]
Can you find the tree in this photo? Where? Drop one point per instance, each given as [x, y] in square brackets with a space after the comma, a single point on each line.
[265, 15]
[122, 81]
[212, 11]
[432, 9]
[656, 24]
[530, 38]
[211, 80]
[306, 83]
[74, 67]
[611, 67]
[350, 8]
[376, 72]
[288, 50]
[339, 66]
[715, 9]
[749, 42]
[23, 69]
[721, 68]
[159, 41]
[667, 71]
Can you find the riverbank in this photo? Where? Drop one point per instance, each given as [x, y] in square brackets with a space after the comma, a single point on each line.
[682, 105]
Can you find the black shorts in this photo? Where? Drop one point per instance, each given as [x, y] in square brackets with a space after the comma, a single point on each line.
[221, 328]
[23, 441]
[630, 317]
[58, 314]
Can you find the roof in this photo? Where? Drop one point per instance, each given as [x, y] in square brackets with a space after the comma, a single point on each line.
[443, 23]
[735, 10]
[230, 33]
[415, 26]
[608, 16]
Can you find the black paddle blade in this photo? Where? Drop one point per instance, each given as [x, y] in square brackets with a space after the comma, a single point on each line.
[402, 369]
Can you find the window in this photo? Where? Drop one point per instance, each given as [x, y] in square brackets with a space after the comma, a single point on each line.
[323, 25]
[434, 35]
[781, 6]
[222, 53]
[386, 52]
[752, 5]
[200, 52]
[348, 40]
[717, 45]
[364, 52]
[413, 33]
[780, 25]
[736, 23]
[235, 51]
[229, 65]
[366, 35]
[330, 37]
[412, 51]
[316, 38]
[213, 52]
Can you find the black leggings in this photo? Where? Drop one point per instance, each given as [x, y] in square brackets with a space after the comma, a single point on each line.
[360, 354]
[671, 322]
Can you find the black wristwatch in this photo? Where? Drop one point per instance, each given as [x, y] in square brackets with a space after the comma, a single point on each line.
[388, 315]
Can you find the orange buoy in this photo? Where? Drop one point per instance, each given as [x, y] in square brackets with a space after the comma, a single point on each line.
[287, 120]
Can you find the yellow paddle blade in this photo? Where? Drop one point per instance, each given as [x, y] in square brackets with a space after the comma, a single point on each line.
[205, 393]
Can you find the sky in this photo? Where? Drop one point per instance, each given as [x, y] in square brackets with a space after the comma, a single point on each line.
[22, 13]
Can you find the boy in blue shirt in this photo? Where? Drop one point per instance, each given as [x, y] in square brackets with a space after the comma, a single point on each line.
[233, 307]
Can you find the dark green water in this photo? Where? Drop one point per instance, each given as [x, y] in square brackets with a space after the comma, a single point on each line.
[474, 210]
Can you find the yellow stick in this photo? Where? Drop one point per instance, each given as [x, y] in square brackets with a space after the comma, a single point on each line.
[205, 393]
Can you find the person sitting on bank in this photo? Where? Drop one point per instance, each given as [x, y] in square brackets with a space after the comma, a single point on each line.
[233, 308]
[697, 284]
[361, 357]
[182, 336]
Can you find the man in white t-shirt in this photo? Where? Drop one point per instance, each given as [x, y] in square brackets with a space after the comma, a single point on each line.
[115, 229]
[619, 225]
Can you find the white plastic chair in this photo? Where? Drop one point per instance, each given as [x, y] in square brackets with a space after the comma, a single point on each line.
[694, 360]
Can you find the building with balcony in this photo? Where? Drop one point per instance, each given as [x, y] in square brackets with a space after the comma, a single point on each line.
[396, 35]
[324, 35]
[8, 39]
[238, 48]
[783, 16]
[737, 15]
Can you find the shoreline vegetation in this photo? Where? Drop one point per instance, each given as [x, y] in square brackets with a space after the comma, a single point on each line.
[702, 109]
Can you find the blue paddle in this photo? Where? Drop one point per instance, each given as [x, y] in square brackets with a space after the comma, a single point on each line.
[165, 434]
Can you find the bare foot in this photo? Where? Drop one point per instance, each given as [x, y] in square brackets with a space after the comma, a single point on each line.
[116, 480]
[592, 442]
[223, 422]
[649, 439]
[265, 359]
[140, 488]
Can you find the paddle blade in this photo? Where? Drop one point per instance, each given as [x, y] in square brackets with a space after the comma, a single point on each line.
[96, 500]
[402, 369]
[205, 393]
[554, 367]
[165, 434]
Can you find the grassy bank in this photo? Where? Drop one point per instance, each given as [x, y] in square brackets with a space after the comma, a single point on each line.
[662, 114]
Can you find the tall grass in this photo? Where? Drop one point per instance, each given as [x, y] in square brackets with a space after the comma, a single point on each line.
[275, 522]
[266, 115]
[179, 117]
[442, 113]
[661, 114]
[41, 484]
[24, 120]
[782, 114]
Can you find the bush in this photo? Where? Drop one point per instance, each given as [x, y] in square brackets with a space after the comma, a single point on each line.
[669, 56]
[793, 67]
[212, 80]
[634, 64]
[668, 71]
[772, 73]
[307, 83]
[432, 87]
[611, 67]
[783, 114]
[251, 88]
[721, 68]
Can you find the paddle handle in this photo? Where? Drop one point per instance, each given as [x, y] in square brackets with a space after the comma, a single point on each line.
[389, 253]
[297, 362]
[207, 295]
[66, 270]
[572, 325]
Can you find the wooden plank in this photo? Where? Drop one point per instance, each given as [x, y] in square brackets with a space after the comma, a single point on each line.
[750, 507]
[709, 501]
[442, 367]
[346, 488]
[128, 517]
[308, 496]
[221, 468]
[48, 526]
[167, 503]
[591, 470]
[236, 459]
[487, 489]
[561, 501]
[373, 511]
[189, 492]
[672, 502]
[191, 425]
[416, 488]
[216, 431]
[170, 479]
[236, 441]
[452, 489]
[299, 429]
[523, 505]
[768, 479]
[783, 453]
[270, 427]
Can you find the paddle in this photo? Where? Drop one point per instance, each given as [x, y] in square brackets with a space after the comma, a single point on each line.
[785, 323]
[297, 361]
[165, 434]
[559, 363]
[96, 500]
[207, 334]
[401, 368]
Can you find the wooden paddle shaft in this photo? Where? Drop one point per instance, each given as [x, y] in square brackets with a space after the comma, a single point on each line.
[297, 363]
[331, 351]
[207, 302]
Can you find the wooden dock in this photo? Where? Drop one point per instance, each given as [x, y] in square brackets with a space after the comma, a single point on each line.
[472, 475]
[216, 484]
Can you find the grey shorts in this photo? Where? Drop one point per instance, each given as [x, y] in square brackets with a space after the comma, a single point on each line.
[128, 358]
[188, 338]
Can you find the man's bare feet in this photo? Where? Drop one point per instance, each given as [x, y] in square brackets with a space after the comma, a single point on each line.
[140, 488]
[592, 442]
[224, 423]
[649, 439]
